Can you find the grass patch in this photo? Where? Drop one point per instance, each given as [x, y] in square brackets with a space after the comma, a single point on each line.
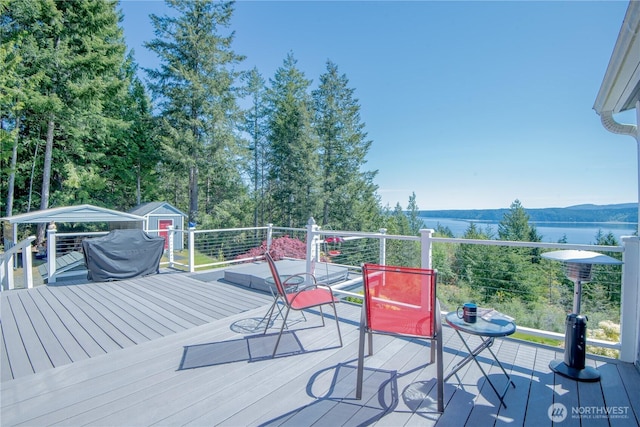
[539, 340]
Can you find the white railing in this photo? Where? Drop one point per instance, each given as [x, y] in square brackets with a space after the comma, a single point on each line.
[222, 247]
[60, 244]
[7, 280]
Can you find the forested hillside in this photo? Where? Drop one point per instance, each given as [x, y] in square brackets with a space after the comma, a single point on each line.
[626, 212]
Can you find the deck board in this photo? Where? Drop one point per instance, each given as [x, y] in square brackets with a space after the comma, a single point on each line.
[230, 379]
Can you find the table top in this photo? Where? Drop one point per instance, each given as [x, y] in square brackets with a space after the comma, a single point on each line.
[294, 281]
[497, 326]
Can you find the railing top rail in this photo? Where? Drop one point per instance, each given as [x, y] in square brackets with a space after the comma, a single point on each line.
[600, 248]
[365, 234]
[219, 230]
[18, 246]
[289, 229]
[85, 233]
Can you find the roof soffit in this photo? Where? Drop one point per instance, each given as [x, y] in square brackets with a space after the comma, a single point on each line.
[620, 89]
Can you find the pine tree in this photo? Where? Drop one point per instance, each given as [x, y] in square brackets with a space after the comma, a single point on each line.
[197, 98]
[293, 148]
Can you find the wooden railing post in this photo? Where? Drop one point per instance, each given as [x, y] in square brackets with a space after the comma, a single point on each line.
[51, 253]
[427, 247]
[27, 266]
[312, 245]
[630, 300]
[269, 235]
[383, 248]
[171, 232]
[192, 249]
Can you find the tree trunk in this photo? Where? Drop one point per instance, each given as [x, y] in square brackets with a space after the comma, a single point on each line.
[12, 168]
[193, 194]
[138, 191]
[46, 177]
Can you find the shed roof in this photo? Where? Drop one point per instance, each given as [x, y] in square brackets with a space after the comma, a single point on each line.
[80, 213]
[147, 208]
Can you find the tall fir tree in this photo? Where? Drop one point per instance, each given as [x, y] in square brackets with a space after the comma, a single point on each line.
[255, 127]
[293, 178]
[196, 94]
[72, 53]
[343, 148]
[515, 225]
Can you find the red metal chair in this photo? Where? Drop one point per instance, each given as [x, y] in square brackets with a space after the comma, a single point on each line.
[300, 298]
[401, 301]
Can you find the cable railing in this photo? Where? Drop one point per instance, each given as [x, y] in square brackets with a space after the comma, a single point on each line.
[509, 276]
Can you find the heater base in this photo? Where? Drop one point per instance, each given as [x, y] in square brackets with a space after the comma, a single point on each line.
[587, 374]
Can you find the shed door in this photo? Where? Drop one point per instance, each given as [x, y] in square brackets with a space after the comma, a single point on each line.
[164, 224]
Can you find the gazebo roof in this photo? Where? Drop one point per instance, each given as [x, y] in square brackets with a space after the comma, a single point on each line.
[80, 213]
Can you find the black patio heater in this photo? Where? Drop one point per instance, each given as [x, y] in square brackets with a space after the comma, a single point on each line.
[577, 267]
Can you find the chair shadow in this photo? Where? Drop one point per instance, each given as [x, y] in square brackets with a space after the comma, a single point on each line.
[381, 396]
[252, 348]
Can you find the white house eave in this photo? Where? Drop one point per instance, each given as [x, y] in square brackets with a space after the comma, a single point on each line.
[620, 89]
[72, 214]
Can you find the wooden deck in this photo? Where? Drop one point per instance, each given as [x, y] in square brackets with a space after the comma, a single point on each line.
[180, 349]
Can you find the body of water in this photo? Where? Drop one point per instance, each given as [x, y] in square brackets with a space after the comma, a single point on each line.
[577, 233]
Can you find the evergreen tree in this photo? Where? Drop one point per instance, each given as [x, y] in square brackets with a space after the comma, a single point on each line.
[293, 148]
[11, 103]
[72, 54]
[515, 225]
[255, 127]
[135, 151]
[197, 99]
[343, 148]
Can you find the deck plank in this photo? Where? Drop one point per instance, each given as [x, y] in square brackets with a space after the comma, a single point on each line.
[541, 393]
[73, 322]
[137, 308]
[63, 334]
[125, 320]
[121, 333]
[615, 395]
[27, 337]
[231, 381]
[18, 359]
[55, 351]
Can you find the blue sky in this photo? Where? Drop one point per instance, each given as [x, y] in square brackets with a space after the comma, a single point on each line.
[470, 105]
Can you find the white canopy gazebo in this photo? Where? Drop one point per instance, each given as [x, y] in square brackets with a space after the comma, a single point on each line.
[70, 214]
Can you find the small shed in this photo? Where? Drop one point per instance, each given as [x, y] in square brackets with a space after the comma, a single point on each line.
[160, 216]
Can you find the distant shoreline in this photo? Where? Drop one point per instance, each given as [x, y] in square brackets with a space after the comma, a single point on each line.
[625, 213]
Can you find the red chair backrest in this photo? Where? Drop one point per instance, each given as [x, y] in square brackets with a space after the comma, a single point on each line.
[400, 300]
[274, 273]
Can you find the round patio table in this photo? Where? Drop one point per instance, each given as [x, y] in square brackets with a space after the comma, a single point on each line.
[488, 327]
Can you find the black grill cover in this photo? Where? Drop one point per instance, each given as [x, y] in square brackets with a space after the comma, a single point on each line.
[122, 254]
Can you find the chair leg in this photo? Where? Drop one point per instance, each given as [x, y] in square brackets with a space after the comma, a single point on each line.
[440, 373]
[360, 370]
[280, 334]
[335, 313]
[268, 316]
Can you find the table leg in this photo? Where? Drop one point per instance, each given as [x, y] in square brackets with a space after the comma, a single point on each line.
[486, 344]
